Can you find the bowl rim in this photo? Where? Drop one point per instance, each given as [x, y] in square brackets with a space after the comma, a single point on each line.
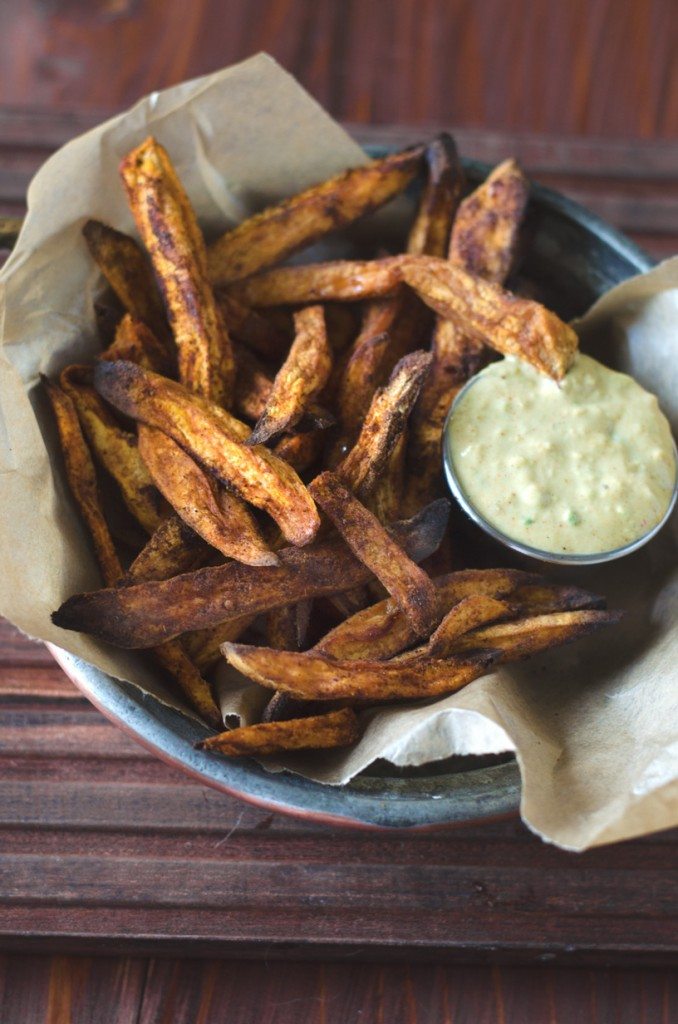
[375, 803]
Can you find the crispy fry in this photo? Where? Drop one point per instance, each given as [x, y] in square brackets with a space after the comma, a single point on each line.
[430, 232]
[409, 585]
[483, 242]
[173, 548]
[385, 421]
[253, 386]
[269, 237]
[82, 479]
[168, 227]
[336, 281]
[485, 234]
[542, 597]
[128, 272]
[301, 377]
[282, 706]
[195, 688]
[149, 613]
[363, 373]
[217, 516]
[386, 499]
[315, 676]
[516, 640]
[512, 326]
[115, 448]
[286, 627]
[206, 433]
[135, 341]
[382, 630]
[468, 614]
[336, 729]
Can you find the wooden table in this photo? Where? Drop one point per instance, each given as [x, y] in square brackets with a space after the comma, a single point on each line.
[129, 893]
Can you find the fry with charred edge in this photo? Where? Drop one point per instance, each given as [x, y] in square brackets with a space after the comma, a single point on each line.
[507, 323]
[128, 272]
[301, 450]
[286, 627]
[204, 431]
[469, 613]
[483, 241]
[258, 333]
[430, 232]
[167, 225]
[315, 676]
[135, 341]
[253, 392]
[282, 706]
[383, 631]
[301, 377]
[336, 281]
[272, 235]
[217, 516]
[319, 732]
[173, 548]
[115, 448]
[409, 585]
[512, 641]
[204, 645]
[385, 421]
[485, 233]
[82, 479]
[149, 613]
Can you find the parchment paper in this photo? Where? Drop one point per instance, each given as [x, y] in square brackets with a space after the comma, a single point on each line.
[593, 725]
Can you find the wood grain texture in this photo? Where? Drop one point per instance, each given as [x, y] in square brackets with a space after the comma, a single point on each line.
[103, 848]
[591, 67]
[633, 185]
[80, 990]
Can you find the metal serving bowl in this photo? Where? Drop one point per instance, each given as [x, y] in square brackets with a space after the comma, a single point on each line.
[572, 258]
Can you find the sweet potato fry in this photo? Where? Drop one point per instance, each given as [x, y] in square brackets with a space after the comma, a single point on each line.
[382, 630]
[217, 516]
[282, 706]
[167, 225]
[470, 613]
[385, 421]
[301, 377]
[409, 585]
[196, 689]
[207, 434]
[430, 232]
[173, 548]
[149, 613]
[82, 479]
[483, 241]
[486, 229]
[386, 499]
[336, 729]
[511, 325]
[336, 281]
[135, 341]
[311, 675]
[269, 237]
[541, 597]
[129, 274]
[512, 641]
[116, 449]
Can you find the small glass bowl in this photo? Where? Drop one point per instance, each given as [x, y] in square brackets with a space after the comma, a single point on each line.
[554, 557]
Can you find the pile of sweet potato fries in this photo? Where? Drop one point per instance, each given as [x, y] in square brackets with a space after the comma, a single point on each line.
[276, 436]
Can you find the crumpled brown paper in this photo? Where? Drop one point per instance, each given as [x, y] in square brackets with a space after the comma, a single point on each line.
[593, 725]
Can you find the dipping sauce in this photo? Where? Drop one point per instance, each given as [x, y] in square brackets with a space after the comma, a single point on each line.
[583, 466]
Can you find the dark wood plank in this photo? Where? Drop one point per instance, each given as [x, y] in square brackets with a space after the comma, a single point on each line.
[79, 990]
[61, 990]
[583, 67]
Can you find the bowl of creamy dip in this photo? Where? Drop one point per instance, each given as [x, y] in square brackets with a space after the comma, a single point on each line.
[577, 471]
